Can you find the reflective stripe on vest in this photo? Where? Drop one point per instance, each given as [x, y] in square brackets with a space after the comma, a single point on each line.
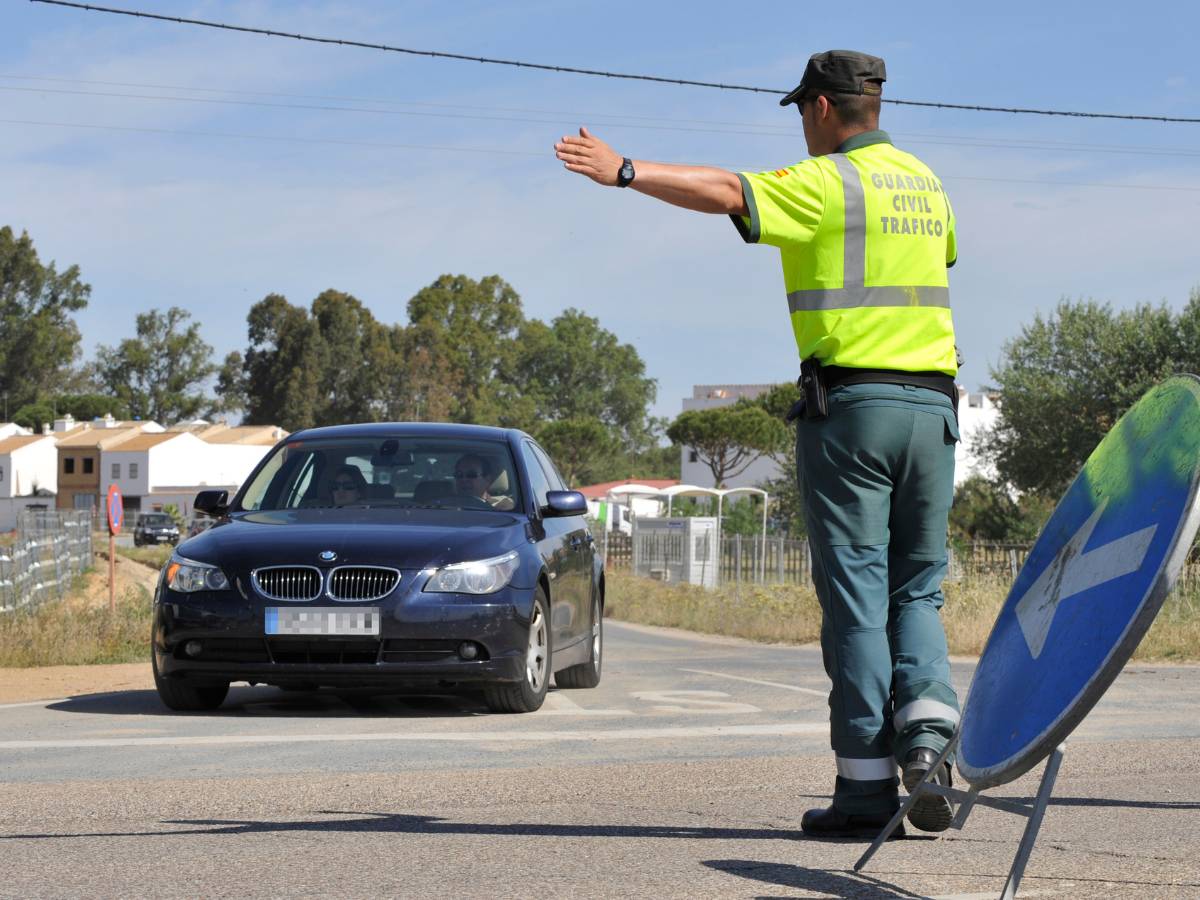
[851, 298]
[854, 244]
[852, 294]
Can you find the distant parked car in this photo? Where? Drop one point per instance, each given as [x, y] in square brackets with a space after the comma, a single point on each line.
[155, 528]
[389, 556]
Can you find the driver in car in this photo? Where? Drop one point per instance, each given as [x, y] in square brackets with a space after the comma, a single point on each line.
[473, 476]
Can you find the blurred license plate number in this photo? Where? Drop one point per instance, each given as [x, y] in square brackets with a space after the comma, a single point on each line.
[323, 620]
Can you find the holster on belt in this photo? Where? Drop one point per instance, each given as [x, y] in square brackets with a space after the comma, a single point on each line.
[816, 380]
[815, 396]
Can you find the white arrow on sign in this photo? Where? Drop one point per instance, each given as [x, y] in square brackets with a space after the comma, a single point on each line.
[1073, 572]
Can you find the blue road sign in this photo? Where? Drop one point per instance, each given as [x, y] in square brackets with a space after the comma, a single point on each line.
[1090, 588]
[115, 509]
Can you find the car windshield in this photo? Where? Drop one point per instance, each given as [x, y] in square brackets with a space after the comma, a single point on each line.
[157, 520]
[385, 472]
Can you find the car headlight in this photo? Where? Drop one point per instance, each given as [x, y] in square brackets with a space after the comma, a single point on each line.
[486, 576]
[188, 576]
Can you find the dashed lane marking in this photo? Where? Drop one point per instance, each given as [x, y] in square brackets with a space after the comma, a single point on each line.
[786, 687]
[615, 734]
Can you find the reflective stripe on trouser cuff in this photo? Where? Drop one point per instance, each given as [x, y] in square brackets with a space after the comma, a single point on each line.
[867, 769]
[818, 299]
[920, 710]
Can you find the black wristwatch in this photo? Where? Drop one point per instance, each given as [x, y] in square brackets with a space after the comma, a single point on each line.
[625, 173]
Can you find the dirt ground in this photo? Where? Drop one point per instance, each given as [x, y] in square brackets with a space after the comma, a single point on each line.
[55, 682]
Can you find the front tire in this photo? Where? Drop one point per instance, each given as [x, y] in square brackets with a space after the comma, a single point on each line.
[527, 695]
[183, 697]
[587, 674]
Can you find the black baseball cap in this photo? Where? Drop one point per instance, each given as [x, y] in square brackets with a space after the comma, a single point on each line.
[839, 72]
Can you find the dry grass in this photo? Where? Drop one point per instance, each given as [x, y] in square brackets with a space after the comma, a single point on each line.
[774, 613]
[790, 613]
[71, 632]
[155, 557]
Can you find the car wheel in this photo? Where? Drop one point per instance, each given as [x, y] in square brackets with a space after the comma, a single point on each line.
[527, 694]
[182, 697]
[586, 674]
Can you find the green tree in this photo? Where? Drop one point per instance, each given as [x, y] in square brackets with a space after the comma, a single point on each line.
[728, 439]
[39, 340]
[579, 447]
[330, 365]
[283, 367]
[357, 351]
[468, 327]
[1067, 378]
[986, 510]
[573, 369]
[83, 407]
[160, 374]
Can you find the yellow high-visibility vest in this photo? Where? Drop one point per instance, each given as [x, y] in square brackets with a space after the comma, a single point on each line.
[865, 237]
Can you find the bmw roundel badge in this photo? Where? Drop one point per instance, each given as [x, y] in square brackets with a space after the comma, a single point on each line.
[328, 555]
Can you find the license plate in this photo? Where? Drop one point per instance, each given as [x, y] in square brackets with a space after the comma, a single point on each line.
[322, 620]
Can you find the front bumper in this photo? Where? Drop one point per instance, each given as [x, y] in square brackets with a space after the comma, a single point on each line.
[417, 644]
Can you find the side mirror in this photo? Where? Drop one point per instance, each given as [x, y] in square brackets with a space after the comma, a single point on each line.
[564, 503]
[212, 503]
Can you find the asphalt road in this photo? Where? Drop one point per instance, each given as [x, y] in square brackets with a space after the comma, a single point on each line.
[683, 775]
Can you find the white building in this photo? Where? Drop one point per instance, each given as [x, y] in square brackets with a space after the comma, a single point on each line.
[154, 470]
[28, 475]
[976, 413]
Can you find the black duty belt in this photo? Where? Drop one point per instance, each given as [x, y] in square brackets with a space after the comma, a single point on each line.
[817, 380]
[935, 381]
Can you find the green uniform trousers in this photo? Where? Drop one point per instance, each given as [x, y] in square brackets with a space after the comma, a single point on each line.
[877, 477]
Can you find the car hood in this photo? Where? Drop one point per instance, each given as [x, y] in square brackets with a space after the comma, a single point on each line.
[398, 538]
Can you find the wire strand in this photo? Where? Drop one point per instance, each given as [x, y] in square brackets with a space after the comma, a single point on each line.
[440, 54]
[763, 129]
[485, 151]
[644, 123]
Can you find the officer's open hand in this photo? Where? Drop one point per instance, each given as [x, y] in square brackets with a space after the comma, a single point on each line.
[589, 156]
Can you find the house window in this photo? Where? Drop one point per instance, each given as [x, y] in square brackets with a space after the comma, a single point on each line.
[1, 473]
[68, 465]
[116, 470]
[693, 456]
[133, 470]
[89, 465]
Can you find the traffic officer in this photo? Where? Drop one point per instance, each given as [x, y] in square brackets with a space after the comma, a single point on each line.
[865, 234]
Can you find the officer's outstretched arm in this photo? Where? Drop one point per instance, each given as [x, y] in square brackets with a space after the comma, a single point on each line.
[701, 188]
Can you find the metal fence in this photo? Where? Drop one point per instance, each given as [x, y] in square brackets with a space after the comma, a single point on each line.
[780, 560]
[49, 549]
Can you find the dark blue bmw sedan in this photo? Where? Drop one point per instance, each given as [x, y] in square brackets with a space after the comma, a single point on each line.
[388, 555]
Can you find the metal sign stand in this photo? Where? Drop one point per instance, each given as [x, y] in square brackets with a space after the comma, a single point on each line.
[967, 800]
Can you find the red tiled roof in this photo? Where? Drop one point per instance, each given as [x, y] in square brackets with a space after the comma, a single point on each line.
[598, 491]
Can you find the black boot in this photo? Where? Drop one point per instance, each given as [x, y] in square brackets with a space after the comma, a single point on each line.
[931, 812]
[834, 823]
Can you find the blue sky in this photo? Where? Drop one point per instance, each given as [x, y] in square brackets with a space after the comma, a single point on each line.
[268, 165]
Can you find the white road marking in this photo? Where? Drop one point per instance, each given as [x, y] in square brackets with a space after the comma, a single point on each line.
[615, 734]
[559, 704]
[693, 702]
[988, 895]
[32, 703]
[786, 687]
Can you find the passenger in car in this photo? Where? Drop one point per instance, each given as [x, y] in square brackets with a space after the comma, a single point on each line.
[348, 486]
[475, 475]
